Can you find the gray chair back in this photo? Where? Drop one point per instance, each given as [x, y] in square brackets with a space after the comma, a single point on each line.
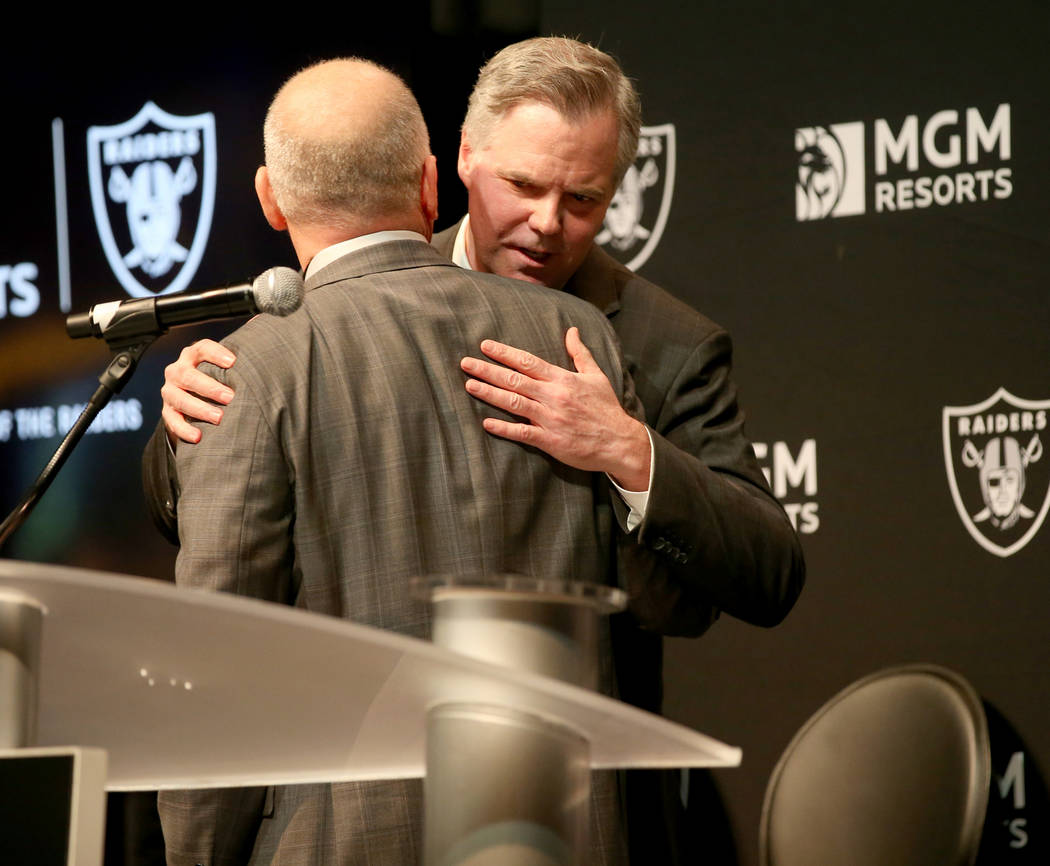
[892, 771]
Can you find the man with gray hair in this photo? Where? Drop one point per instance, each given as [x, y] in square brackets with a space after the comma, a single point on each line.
[551, 128]
[353, 459]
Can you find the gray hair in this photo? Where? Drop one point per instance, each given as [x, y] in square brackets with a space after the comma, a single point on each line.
[570, 76]
[327, 167]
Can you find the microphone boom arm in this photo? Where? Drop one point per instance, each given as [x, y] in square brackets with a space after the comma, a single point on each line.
[130, 327]
[112, 381]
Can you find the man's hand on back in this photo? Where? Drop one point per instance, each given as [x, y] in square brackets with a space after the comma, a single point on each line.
[576, 417]
[186, 390]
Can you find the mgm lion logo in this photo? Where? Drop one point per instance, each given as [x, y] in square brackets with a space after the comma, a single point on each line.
[1002, 487]
[830, 179]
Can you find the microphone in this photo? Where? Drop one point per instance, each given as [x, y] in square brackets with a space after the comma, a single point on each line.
[278, 291]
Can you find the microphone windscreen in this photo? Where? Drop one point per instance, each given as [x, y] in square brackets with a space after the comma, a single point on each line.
[278, 291]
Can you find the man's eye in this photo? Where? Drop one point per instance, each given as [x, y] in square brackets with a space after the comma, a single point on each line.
[581, 198]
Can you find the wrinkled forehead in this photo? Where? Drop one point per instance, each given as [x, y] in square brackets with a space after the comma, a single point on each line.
[574, 116]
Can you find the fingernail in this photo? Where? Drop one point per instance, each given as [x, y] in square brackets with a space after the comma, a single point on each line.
[472, 385]
[215, 416]
[226, 396]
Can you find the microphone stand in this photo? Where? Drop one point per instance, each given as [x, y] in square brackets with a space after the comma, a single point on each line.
[112, 381]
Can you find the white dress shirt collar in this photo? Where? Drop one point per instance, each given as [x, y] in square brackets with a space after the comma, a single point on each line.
[459, 248]
[336, 251]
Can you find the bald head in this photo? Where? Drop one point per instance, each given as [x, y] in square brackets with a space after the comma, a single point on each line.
[345, 146]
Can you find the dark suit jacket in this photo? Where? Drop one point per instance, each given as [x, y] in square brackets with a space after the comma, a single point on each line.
[351, 460]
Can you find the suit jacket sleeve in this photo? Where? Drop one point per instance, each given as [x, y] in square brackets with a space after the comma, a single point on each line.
[235, 516]
[160, 484]
[212, 827]
[713, 538]
[236, 507]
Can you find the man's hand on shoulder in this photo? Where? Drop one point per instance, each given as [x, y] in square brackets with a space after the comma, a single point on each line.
[186, 390]
[576, 417]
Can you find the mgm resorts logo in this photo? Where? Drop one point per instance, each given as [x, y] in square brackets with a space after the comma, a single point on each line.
[152, 182]
[637, 214]
[999, 478]
[911, 167]
[793, 479]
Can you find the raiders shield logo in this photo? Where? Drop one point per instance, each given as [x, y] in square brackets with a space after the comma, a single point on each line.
[635, 220]
[152, 182]
[1000, 481]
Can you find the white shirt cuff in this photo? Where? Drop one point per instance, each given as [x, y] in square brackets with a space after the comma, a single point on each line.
[636, 500]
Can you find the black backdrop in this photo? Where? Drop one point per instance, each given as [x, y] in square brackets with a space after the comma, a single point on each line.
[852, 334]
[855, 332]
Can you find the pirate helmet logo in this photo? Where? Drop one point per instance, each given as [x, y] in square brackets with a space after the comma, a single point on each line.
[999, 444]
[1002, 466]
[145, 175]
[637, 214]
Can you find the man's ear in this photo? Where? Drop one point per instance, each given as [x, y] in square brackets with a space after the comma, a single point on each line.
[465, 161]
[428, 193]
[268, 200]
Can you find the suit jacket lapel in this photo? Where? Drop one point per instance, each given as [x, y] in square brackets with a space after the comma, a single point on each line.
[597, 281]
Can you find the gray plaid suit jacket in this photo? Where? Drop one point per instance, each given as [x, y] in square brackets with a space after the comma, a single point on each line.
[713, 539]
[351, 460]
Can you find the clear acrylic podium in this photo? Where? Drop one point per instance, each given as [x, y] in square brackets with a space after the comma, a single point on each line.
[191, 689]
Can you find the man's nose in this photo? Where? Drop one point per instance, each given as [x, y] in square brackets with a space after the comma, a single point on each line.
[545, 218]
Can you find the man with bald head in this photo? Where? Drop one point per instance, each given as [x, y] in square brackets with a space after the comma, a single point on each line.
[354, 459]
